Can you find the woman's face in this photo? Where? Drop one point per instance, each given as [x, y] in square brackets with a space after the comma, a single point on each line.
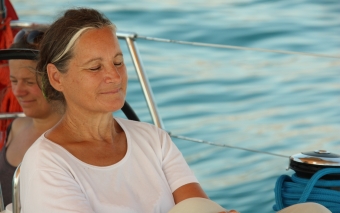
[96, 77]
[26, 89]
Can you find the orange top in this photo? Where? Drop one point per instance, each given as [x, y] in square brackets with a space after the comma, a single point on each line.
[8, 101]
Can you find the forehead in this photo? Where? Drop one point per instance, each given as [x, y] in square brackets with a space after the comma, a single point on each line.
[97, 41]
[22, 68]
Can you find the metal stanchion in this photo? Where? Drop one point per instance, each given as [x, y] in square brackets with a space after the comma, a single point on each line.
[2, 207]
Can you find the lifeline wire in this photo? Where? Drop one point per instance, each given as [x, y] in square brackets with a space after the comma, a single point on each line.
[234, 47]
[224, 145]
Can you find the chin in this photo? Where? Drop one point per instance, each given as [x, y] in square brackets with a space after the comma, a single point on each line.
[115, 106]
[28, 112]
[32, 114]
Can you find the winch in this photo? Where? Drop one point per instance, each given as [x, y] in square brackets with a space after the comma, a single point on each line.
[316, 179]
[305, 164]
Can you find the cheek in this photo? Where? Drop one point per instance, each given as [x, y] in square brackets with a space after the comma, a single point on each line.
[123, 73]
[79, 87]
[14, 87]
[36, 91]
[70, 83]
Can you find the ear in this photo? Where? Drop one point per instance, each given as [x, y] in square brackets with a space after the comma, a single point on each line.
[54, 76]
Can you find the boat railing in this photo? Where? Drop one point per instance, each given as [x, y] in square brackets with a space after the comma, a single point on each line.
[16, 206]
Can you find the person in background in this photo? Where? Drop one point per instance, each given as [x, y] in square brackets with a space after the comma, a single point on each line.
[40, 115]
[8, 102]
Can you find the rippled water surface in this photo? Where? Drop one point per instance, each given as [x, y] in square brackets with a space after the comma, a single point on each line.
[278, 103]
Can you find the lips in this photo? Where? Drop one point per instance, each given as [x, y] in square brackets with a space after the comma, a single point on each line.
[111, 91]
[26, 102]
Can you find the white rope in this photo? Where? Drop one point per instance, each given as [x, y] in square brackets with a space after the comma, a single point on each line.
[234, 47]
[224, 145]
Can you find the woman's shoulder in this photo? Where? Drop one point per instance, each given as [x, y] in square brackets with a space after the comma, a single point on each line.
[43, 148]
[144, 133]
[43, 158]
[36, 147]
[19, 123]
[139, 126]
[130, 124]
[16, 127]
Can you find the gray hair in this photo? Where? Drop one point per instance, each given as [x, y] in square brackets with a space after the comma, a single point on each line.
[59, 40]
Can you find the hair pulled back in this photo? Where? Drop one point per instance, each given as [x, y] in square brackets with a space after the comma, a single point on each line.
[58, 43]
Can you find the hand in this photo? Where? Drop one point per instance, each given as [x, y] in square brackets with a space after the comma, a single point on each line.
[231, 211]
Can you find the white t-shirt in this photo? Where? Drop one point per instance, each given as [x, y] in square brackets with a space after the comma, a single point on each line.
[53, 180]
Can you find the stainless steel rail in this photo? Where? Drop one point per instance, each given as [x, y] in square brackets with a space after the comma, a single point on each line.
[2, 207]
[16, 191]
[144, 81]
[17, 24]
[11, 115]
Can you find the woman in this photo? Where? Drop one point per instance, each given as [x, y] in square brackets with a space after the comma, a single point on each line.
[90, 161]
[41, 115]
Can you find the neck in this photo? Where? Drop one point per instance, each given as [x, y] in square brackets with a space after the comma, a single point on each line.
[81, 126]
[43, 124]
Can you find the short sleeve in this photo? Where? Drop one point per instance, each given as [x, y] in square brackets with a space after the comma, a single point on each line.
[176, 169]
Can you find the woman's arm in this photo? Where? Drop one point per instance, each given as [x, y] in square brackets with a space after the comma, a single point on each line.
[178, 172]
[188, 191]
[194, 190]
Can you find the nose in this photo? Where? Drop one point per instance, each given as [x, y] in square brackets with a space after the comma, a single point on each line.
[112, 75]
[19, 89]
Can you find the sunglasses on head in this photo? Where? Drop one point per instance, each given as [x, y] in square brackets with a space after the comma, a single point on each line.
[32, 36]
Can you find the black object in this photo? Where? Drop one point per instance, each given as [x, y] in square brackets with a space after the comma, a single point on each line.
[129, 112]
[28, 54]
[305, 164]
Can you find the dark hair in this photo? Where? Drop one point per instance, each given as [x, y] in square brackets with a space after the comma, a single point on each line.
[58, 43]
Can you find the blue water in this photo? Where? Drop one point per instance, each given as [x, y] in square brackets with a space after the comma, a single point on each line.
[271, 102]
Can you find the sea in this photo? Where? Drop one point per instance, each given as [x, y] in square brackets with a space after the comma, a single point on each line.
[274, 104]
